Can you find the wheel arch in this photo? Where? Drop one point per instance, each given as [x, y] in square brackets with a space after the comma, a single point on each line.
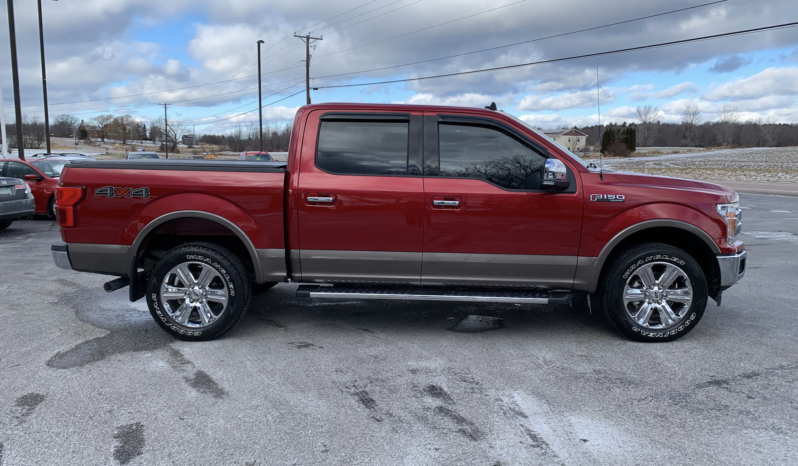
[682, 235]
[250, 259]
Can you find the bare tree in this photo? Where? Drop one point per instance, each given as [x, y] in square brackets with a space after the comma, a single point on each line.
[728, 119]
[691, 118]
[174, 132]
[769, 131]
[102, 122]
[64, 126]
[648, 118]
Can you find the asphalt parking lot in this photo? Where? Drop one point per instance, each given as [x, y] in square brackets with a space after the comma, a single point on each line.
[88, 378]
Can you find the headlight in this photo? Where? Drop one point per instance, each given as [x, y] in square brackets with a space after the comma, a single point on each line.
[733, 216]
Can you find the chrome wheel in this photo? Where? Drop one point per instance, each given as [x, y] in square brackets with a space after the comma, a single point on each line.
[658, 295]
[194, 294]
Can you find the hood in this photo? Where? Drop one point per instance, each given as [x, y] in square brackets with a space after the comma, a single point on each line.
[680, 184]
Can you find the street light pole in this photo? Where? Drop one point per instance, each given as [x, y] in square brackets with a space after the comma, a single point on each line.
[12, 33]
[260, 100]
[44, 79]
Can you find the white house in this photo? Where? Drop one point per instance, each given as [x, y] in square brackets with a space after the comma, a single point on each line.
[573, 139]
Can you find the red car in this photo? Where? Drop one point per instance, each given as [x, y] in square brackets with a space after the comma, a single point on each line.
[42, 177]
[403, 202]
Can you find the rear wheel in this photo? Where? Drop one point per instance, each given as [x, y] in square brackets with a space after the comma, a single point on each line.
[51, 207]
[198, 291]
[654, 292]
[5, 224]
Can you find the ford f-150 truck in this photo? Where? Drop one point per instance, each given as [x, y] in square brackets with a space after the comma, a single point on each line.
[402, 202]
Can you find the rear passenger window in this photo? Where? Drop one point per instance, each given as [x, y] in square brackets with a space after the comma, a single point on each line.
[363, 147]
[488, 154]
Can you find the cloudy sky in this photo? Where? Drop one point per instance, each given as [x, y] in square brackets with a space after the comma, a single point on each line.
[127, 56]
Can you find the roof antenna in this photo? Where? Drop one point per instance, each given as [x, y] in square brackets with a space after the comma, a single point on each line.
[598, 102]
[492, 106]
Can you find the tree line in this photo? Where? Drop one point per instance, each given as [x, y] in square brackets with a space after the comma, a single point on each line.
[727, 130]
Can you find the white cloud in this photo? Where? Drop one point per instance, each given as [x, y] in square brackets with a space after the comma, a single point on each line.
[772, 81]
[568, 100]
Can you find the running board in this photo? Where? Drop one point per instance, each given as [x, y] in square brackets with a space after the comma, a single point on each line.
[434, 294]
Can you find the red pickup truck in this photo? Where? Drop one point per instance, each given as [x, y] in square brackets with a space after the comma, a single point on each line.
[403, 202]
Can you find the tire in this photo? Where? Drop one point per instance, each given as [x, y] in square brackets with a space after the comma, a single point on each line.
[210, 305]
[5, 224]
[51, 208]
[262, 287]
[676, 290]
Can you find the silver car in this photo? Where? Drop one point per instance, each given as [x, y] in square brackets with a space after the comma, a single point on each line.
[16, 201]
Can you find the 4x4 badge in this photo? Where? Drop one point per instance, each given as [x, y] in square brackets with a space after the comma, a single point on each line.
[607, 198]
[110, 191]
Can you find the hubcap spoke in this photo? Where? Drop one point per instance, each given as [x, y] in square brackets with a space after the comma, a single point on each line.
[206, 276]
[171, 292]
[666, 315]
[185, 275]
[205, 313]
[634, 294]
[669, 276]
[218, 296]
[680, 295]
[183, 312]
[646, 274]
[643, 314]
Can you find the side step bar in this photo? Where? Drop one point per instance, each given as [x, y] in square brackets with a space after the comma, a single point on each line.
[434, 294]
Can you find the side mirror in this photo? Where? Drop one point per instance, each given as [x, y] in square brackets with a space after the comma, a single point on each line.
[31, 177]
[555, 176]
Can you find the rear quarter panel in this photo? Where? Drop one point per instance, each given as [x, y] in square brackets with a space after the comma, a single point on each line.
[251, 200]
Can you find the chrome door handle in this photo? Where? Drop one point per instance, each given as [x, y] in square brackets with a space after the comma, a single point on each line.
[446, 203]
[325, 200]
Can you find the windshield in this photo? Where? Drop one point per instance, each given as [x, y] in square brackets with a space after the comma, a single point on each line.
[261, 157]
[51, 169]
[145, 155]
[559, 146]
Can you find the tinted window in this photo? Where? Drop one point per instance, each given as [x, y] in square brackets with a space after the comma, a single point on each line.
[51, 169]
[259, 157]
[488, 154]
[19, 170]
[363, 148]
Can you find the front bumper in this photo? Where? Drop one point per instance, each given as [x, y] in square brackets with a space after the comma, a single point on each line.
[61, 256]
[18, 208]
[732, 269]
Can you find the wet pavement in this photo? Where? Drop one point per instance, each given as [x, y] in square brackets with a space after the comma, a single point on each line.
[88, 378]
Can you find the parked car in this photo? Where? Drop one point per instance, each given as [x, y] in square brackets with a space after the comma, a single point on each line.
[403, 202]
[16, 201]
[42, 185]
[72, 155]
[256, 156]
[142, 155]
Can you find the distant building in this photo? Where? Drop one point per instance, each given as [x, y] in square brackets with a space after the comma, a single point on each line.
[189, 140]
[573, 139]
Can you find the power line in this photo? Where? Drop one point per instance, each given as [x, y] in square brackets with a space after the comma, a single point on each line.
[345, 12]
[249, 103]
[250, 111]
[425, 29]
[518, 43]
[576, 57]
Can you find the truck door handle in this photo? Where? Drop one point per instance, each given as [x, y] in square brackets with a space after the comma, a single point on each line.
[320, 199]
[446, 203]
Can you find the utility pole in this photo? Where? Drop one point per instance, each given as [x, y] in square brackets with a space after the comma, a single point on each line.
[44, 80]
[15, 76]
[260, 100]
[166, 129]
[3, 124]
[307, 40]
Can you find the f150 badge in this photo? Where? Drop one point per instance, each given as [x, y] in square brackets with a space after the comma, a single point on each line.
[607, 198]
[110, 191]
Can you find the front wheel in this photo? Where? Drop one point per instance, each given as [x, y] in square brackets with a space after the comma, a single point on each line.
[5, 224]
[198, 291]
[653, 292]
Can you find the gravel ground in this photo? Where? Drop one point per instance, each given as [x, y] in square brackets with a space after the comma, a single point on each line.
[779, 164]
[88, 378]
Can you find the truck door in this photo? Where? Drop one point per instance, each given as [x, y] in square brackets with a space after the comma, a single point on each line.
[487, 220]
[361, 198]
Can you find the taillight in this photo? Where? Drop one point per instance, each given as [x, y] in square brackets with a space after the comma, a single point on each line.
[66, 201]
